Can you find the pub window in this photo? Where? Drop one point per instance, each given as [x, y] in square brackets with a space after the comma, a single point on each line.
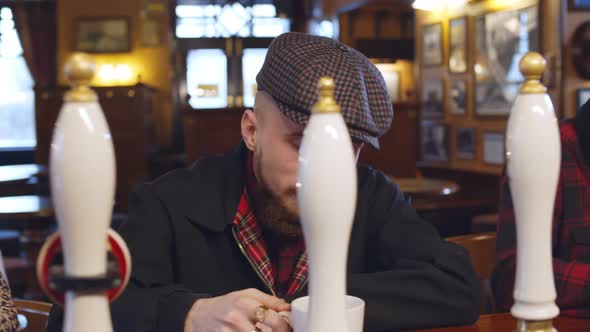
[230, 20]
[223, 44]
[17, 116]
[207, 78]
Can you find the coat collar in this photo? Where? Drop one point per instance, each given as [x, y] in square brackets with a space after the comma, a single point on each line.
[217, 185]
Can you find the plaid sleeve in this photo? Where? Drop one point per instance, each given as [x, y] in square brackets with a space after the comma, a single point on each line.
[505, 262]
[571, 266]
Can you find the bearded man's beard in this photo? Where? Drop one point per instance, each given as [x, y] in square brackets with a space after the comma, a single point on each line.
[277, 214]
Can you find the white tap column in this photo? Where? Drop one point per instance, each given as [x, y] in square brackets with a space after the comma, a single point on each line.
[533, 154]
[82, 176]
[326, 194]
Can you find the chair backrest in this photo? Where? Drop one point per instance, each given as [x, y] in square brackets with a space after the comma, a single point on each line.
[482, 250]
[35, 313]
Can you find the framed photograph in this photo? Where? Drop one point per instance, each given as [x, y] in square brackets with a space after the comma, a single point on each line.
[458, 45]
[579, 4]
[465, 140]
[583, 97]
[580, 52]
[502, 39]
[150, 33]
[434, 142]
[493, 148]
[103, 35]
[458, 96]
[392, 79]
[432, 48]
[432, 98]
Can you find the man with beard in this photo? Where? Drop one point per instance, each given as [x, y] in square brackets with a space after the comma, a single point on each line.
[219, 247]
[571, 226]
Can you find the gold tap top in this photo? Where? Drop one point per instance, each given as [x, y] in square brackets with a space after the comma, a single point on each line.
[326, 102]
[532, 67]
[79, 70]
[534, 326]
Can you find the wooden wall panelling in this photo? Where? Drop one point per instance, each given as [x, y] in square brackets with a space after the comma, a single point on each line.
[211, 132]
[397, 155]
[129, 112]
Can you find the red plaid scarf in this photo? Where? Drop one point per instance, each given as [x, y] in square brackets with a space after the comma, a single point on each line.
[571, 260]
[287, 273]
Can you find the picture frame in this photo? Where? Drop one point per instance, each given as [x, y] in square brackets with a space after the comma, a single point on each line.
[103, 35]
[150, 33]
[499, 48]
[583, 95]
[434, 142]
[579, 5]
[391, 76]
[432, 48]
[580, 52]
[465, 143]
[433, 98]
[457, 95]
[458, 45]
[493, 148]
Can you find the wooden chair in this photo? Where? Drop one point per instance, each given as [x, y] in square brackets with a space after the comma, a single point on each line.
[482, 250]
[35, 313]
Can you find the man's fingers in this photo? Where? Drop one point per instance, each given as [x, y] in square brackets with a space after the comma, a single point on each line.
[248, 306]
[263, 328]
[269, 301]
[276, 322]
[286, 315]
[238, 321]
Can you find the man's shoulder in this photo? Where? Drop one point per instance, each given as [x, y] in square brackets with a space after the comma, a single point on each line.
[371, 179]
[206, 167]
[204, 174]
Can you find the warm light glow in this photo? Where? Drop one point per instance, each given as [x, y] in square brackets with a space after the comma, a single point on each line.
[427, 5]
[106, 73]
[455, 5]
[109, 74]
[123, 73]
[439, 5]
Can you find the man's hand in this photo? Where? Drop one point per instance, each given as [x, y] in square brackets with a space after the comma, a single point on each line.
[236, 312]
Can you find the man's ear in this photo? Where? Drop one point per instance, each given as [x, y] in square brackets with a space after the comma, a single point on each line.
[249, 127]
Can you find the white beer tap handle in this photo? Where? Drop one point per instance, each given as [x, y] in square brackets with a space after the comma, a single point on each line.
[326, 194]
[533, 154]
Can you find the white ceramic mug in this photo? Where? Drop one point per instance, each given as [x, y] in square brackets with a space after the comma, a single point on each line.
[355, 313]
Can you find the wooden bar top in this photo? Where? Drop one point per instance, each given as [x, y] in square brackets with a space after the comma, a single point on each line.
[506, 323]
[426, 187]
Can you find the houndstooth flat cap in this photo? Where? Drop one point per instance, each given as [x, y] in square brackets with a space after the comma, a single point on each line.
[291, 71]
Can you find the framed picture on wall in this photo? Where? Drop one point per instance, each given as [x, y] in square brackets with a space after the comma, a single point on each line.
[502, 39]
[465, 140]
[583, 97]
[391, 77]
[432, 98]
[150, 33]
[103, 35]
[457, 95]
[434, 142]
[432, 48]
[458, 45]
[580, 52]
[579, 4]
[493, 148]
